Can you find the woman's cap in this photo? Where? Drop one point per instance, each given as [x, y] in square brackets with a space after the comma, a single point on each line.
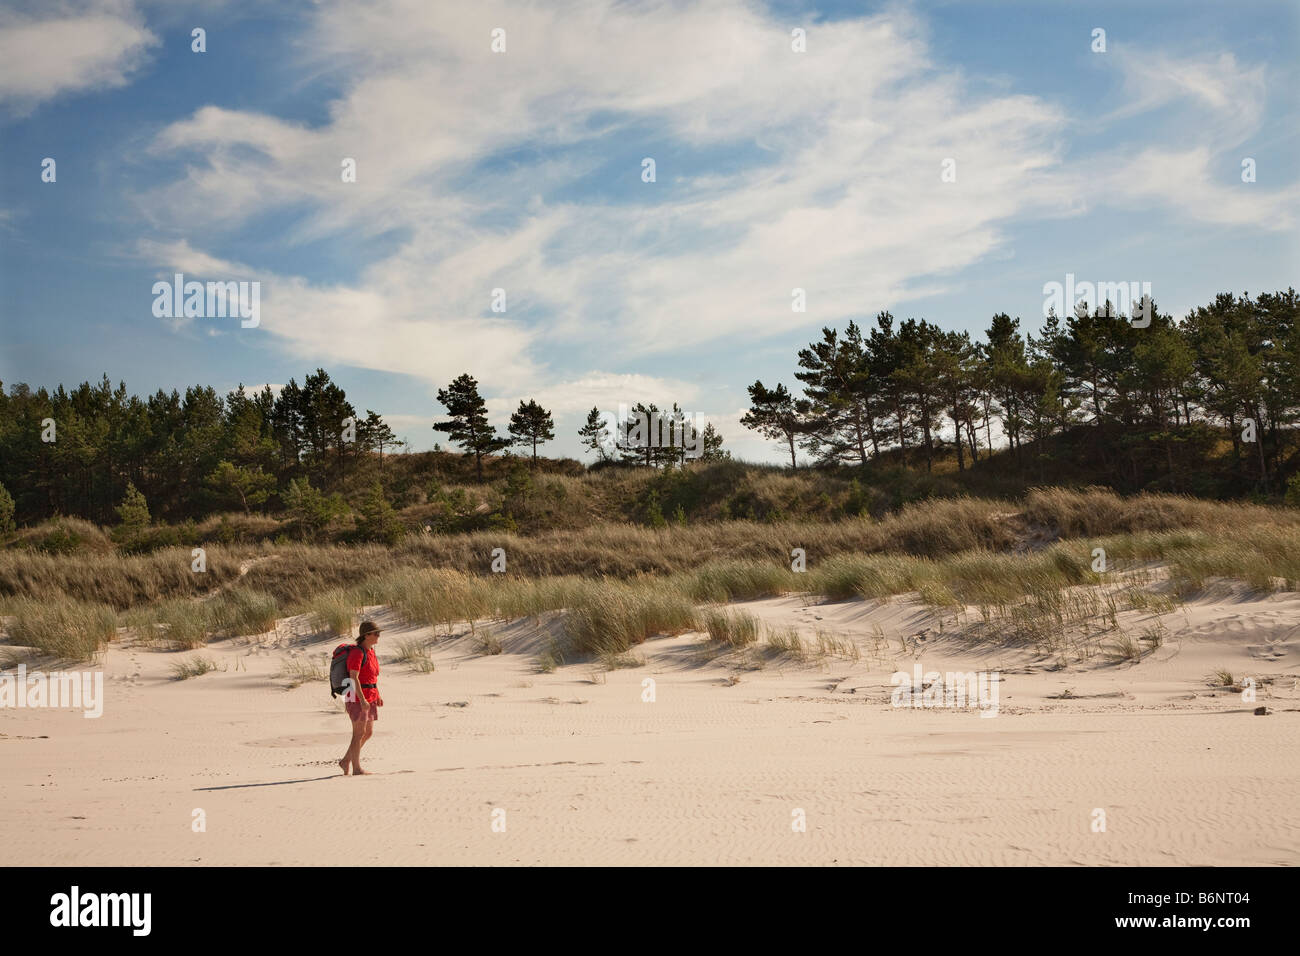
[369, 627]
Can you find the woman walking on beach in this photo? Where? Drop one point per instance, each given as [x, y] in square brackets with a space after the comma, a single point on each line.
[363, 696]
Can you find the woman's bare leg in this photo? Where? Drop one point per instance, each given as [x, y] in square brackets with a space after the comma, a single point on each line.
[369, 728]
[360, 731]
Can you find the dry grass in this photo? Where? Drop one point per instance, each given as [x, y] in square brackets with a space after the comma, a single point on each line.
[242, 612]
[64, 535]
[1100, 511]
[786, 641]
[415, 653]
[734, 628]
[299, 573]
[334, 611]
[177, 623]
[121, 581]
[615, 662]
[1124, 648]
[188, 624]
[611, 617]
[621, 584]
[66, 630]
[830, 644]
[1222, 678]
[305, 669]
[193, 667]
[548, 659]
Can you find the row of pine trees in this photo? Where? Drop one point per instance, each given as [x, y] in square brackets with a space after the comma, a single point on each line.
[86, 451]
[1145, 390]
[1156, 397]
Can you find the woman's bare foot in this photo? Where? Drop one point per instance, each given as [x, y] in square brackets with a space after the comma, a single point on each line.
[343, 765]
[357, 771]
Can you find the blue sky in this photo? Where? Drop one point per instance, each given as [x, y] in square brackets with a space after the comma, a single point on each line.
[522, 170]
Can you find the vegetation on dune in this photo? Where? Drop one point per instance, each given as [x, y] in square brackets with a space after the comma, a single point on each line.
[612, 617]
[66, 629]
[415, 653]
[193, 667]
[966, 551]
[1152, 394]
[218, 514]
[734, 628]
[187, 623]
[1036, 597]
[898, 413]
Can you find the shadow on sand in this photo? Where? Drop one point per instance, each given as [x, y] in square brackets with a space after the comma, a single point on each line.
[273, 783]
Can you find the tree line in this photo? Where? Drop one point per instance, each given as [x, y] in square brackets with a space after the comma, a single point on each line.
[1147, 397]
[1145, 404]
[77, 452]
[648, 436]
[101, 453]
[88, 451]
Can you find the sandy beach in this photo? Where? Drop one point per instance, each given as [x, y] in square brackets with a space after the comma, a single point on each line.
[488, 761]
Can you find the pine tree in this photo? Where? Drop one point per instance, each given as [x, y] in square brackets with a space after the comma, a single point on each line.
[836, 377]
[467, 424]
[711, 442]
[637, 436]
[6, 512]
[310, 509]
[775, 414]
[377, 520]
[885, 355]
[954, 361]
[133, 512]
[595, 434]
[324, 408]
[917, 377]
[251, 486]
[1007, 367]
[530, 425]
[375, 433]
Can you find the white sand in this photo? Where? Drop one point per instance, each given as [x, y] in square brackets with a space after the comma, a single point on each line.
[709, 773]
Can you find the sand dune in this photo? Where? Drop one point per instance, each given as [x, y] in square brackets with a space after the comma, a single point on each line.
[713, 771]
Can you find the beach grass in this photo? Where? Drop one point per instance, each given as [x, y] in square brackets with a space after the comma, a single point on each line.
[67, 630]
[734, 628]
[193, 667]
[617, 590]
[304, 669]
[414, 653]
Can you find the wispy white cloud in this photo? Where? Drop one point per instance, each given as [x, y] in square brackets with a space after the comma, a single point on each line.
[603, 390]
[839, 192]
[360, 326]
[1228, 97]
[1187, 181]
[1217, 106]
[68, 47]
[493, 171]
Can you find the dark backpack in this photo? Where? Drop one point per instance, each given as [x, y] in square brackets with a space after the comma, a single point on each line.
[339, 668]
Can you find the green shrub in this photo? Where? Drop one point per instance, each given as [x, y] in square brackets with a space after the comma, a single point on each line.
[377, 520]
